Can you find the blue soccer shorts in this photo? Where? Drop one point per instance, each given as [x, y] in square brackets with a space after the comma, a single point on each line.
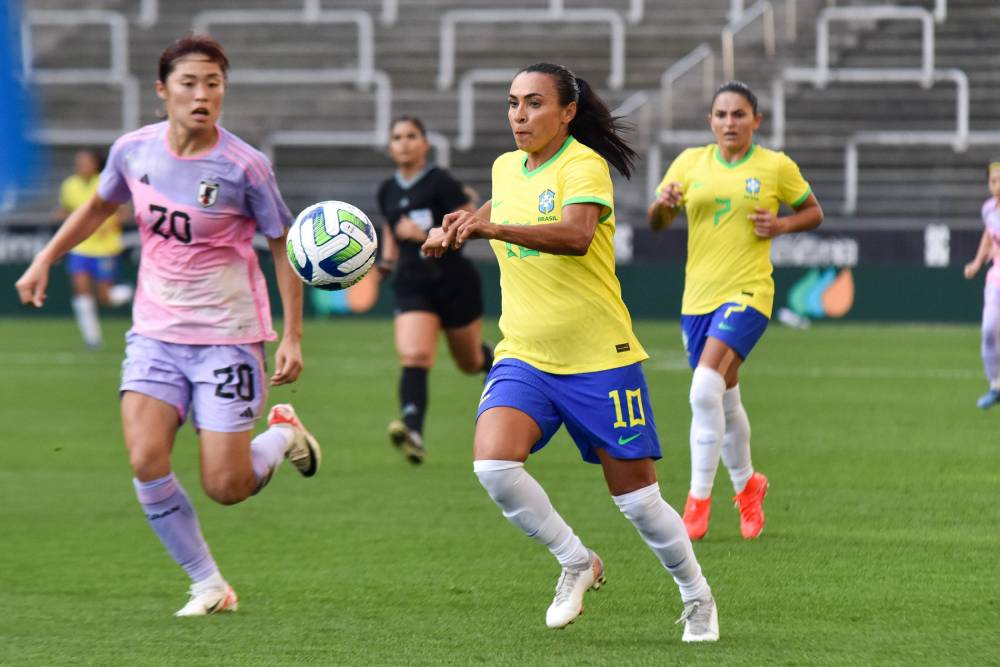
[737, 325]
[608, 409]
[103, 269]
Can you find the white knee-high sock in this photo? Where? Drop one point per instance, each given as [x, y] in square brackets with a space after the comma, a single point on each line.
[990, 345]
[736, 443]
[708, 424]
[525, 504]
[267, 451]
[663, 530]
[85, 309]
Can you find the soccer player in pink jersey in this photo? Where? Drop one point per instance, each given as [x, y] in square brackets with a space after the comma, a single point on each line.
[989, 250]
[201, 313]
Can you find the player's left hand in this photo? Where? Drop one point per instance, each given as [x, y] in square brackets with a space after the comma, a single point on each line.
[467, 226]
[287, 362]
[766, 225]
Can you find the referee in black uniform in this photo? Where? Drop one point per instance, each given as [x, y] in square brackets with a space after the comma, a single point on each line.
[431, 295]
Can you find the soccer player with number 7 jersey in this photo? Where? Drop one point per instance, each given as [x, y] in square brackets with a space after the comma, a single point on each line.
[731, 190]
[201, 313]
[568, 354]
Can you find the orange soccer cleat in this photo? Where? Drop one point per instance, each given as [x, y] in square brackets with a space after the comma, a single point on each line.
[750, 502]
[696, 512]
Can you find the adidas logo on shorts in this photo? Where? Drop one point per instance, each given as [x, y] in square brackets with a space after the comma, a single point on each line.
[247, 413]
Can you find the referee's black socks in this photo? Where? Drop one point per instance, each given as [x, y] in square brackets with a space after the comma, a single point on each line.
[413, 397]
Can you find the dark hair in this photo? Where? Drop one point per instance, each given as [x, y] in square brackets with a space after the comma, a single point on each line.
[97, 154]
[406, 118]
[187, 45]
[739, 88]
[593, 126]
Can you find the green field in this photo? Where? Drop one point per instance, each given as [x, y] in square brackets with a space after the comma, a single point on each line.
[881, 545]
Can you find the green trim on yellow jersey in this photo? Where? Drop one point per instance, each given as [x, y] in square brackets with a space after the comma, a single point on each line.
[592, 200]
[801, 200]
[733, 165]
[532, 172]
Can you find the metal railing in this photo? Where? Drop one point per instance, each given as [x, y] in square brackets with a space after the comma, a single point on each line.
[467, 101]
[762, 10]
[377, 136]
[149, 13]
[388, 17]
[921, 138]
[700, 55]
[864, 75]
[554, 14]
[884, 12]
[365, 71]
[116, 74]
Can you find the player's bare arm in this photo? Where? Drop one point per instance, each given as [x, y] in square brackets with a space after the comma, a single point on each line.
[571, 236]
[982, 254]
[288, 356]
[664, 209]
[808, 215]
[80, 224]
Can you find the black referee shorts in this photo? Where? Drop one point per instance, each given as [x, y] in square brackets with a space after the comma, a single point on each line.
[456, 296]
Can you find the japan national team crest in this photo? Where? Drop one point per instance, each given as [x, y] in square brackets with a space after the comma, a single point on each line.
[753, 185]
[208, 192]
[547, 201]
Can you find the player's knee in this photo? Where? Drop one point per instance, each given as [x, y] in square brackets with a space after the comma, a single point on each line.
[416, 359]
[498, 477]
[227, 488]
[148, 462]
[470, 365]
[707, 388]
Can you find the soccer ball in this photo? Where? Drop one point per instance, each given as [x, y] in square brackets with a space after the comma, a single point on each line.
[331, 245]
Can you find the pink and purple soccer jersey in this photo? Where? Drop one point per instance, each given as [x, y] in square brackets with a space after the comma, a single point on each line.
[199, 280]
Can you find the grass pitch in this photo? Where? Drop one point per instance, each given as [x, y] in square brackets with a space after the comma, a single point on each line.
[880, 548]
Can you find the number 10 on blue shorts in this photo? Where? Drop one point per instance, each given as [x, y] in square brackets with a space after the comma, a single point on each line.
[604, 409]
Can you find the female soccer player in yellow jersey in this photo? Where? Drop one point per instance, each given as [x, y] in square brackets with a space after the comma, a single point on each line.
[731, 191]
[568, 354]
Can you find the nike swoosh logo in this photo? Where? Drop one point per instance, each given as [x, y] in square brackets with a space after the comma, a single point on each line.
[622, 440]
[496, 204]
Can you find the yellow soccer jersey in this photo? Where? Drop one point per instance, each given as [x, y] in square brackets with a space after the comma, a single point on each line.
[106, 241]
[561, 314]
[726, 261]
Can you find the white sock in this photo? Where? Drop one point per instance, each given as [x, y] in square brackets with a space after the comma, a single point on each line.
[708, 424]
[736, 443]
[663, 530]
[525, 504]
[120, 294]
[267, 451]
[85, 309]
[211, 582]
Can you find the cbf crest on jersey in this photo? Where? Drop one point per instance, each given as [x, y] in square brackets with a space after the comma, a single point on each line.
[753, 185]
[547, 201]
[208, 192]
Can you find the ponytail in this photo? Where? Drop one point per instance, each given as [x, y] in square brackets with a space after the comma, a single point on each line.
[593, 126]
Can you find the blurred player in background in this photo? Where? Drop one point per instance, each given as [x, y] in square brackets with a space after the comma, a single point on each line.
[93, 265]
[989, 248]
[568, 354]
[430, 296]
[201, 312]
[731, 191]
